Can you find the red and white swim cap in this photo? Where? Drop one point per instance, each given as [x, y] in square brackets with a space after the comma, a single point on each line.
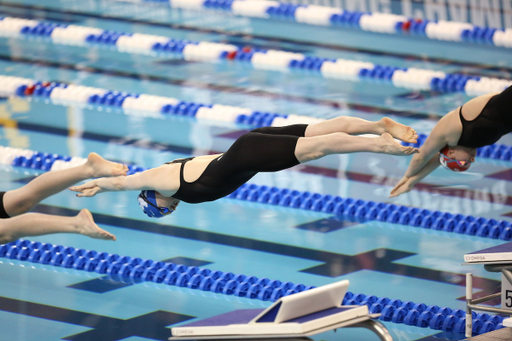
[452, 164]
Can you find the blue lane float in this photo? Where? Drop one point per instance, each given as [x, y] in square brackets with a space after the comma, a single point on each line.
[69, 93]
[364, 210]
[65, 94]
[412, 78]
[336, 17]
[360, 210]
[136, 270]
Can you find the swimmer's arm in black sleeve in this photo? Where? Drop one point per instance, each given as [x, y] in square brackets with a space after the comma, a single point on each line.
[158, 179]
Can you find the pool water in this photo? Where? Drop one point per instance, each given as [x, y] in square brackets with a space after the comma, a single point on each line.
[44, 302]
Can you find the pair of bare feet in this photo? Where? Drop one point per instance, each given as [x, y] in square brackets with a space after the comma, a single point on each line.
[392, 130]
[97, 167]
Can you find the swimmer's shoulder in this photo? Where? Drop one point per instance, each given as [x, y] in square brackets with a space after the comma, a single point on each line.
[449, 128]
[474, 107]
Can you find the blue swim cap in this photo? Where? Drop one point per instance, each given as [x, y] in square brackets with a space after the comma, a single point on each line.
[147, 201]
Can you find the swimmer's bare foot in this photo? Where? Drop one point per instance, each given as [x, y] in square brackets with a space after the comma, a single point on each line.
[85, 225]
[99, 167]
[390, 146]
[398, 130]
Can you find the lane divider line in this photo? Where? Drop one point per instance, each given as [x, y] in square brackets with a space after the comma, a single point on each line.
[386, 23]
[65, 94]
[361, 210]
[136, 270]
[411, 78]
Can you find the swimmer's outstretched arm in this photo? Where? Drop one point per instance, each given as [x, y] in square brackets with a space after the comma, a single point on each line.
[406, 184]
[426, 153]
[446, 131]
[151, 179]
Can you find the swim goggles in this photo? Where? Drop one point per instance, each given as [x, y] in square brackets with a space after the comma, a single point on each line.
[147, 201]
[452, 164]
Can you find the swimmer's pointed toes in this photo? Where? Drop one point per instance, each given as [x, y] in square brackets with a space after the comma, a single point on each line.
[413, 139]
[107, 235]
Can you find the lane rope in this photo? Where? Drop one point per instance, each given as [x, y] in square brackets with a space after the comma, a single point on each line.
[136, 270]
[65, 94]
[353, 209]
[387, 23]
[277, 60]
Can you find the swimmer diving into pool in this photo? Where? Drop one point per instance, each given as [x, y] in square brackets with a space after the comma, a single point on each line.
[210, 177]
[454, 140]
[16, 223]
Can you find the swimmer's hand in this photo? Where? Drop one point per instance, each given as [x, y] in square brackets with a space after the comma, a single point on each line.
[100, 185]
[89, 189]
[403, 186]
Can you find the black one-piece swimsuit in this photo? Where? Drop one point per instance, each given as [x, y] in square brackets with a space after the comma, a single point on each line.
[267, 149]
[491, 124]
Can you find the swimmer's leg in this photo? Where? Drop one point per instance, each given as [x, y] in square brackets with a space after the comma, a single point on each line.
[36, 224]
[23, 199]
[355, 126]
[312, 148]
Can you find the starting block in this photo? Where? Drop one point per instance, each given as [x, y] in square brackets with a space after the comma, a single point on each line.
[291, 317]
[494, 259]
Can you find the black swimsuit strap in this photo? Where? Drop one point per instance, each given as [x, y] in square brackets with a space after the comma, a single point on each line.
[461, 116]
[182, 180]
[183, 160]
[182, 169]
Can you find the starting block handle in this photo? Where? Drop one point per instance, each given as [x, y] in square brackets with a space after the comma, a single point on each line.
[469, 298]
[507, 274]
